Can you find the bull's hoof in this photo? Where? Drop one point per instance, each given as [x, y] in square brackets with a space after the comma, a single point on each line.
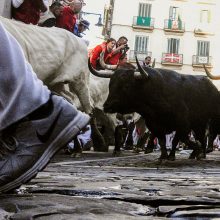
[116, 153]
[137, 150]
[128, 147]
[76, 155]
[209, 150]
[148, 150]
[171, 157]
[200, 156]
[192, 155]
[163, 156]
[101, 149]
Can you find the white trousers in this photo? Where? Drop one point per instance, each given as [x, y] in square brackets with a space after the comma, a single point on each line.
[21, 92]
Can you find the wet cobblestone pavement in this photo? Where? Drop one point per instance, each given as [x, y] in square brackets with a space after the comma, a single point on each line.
[99, 186]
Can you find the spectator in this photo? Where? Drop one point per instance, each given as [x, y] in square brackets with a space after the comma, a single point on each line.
[120, 52]
[81, 27]
[81, 142]
[128, 144]
[123, 59]
[147, 61]
[49, 19]
[28, 11]
[67, 19]
[106, 48]
[216, 143]
[140, 133]
[34, 124]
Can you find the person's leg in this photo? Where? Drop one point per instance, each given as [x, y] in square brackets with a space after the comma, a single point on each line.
[34, 124]
[21, 91]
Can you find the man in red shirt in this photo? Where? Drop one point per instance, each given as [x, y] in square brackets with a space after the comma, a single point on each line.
[28, 11]
[67, 19]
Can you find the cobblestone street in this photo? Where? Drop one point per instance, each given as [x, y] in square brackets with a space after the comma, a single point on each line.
[98, 186]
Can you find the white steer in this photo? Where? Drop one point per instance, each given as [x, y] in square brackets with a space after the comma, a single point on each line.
[57, 56]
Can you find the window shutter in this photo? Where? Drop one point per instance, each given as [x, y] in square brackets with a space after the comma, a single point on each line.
[141, 43]
[173, 45]
[203, 48]
[144, 10]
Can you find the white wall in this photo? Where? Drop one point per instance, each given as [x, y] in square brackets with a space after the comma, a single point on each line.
[190, 14]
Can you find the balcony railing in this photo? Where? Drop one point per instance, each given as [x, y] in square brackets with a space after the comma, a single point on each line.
[204, 30]
[200, 60]
[174, 26]
[172, 59]
[146, 23]
[141, 55]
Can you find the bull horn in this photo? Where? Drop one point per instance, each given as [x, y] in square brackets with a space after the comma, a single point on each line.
[140, 68]
[209, 74]
[104, 65]
[154, 62]
[99, 73]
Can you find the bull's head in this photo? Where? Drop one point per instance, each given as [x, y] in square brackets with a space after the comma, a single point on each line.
[124, 88]
[209, 74]
[112, 68]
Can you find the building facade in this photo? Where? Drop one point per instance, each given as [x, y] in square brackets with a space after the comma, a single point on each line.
[180, 34]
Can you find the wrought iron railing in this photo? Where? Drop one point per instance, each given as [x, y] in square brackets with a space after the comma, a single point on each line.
[200, 60]
[143, 22]
[141, 55]
[174, 25]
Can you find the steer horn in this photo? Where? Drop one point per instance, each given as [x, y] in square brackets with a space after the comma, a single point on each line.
[99, 73]
[209, 74]
[104, 65]
[140, 68]
[153, 64]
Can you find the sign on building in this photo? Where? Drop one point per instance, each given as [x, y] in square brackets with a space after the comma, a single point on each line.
[203, 59]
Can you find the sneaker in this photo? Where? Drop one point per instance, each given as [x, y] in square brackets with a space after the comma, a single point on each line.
[27, 147]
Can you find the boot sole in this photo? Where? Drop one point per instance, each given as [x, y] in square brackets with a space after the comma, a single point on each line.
[66, 135]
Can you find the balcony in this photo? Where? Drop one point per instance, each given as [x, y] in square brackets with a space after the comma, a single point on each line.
[140, 55]
[144, 23]
[204, 29]
[174, 26]
[172, 59]
[198, 61]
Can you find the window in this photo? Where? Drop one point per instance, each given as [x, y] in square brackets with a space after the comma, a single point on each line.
[174, 13]
[144, 10]
[205, 16]
[141, 43]
[173, 45]
[203, 48]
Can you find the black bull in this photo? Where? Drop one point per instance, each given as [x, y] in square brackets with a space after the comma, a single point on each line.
[167, 100]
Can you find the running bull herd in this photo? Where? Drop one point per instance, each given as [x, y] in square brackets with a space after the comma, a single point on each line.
[167, 100]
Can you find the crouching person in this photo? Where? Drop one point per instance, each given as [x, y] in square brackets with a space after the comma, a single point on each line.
[81, 142]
